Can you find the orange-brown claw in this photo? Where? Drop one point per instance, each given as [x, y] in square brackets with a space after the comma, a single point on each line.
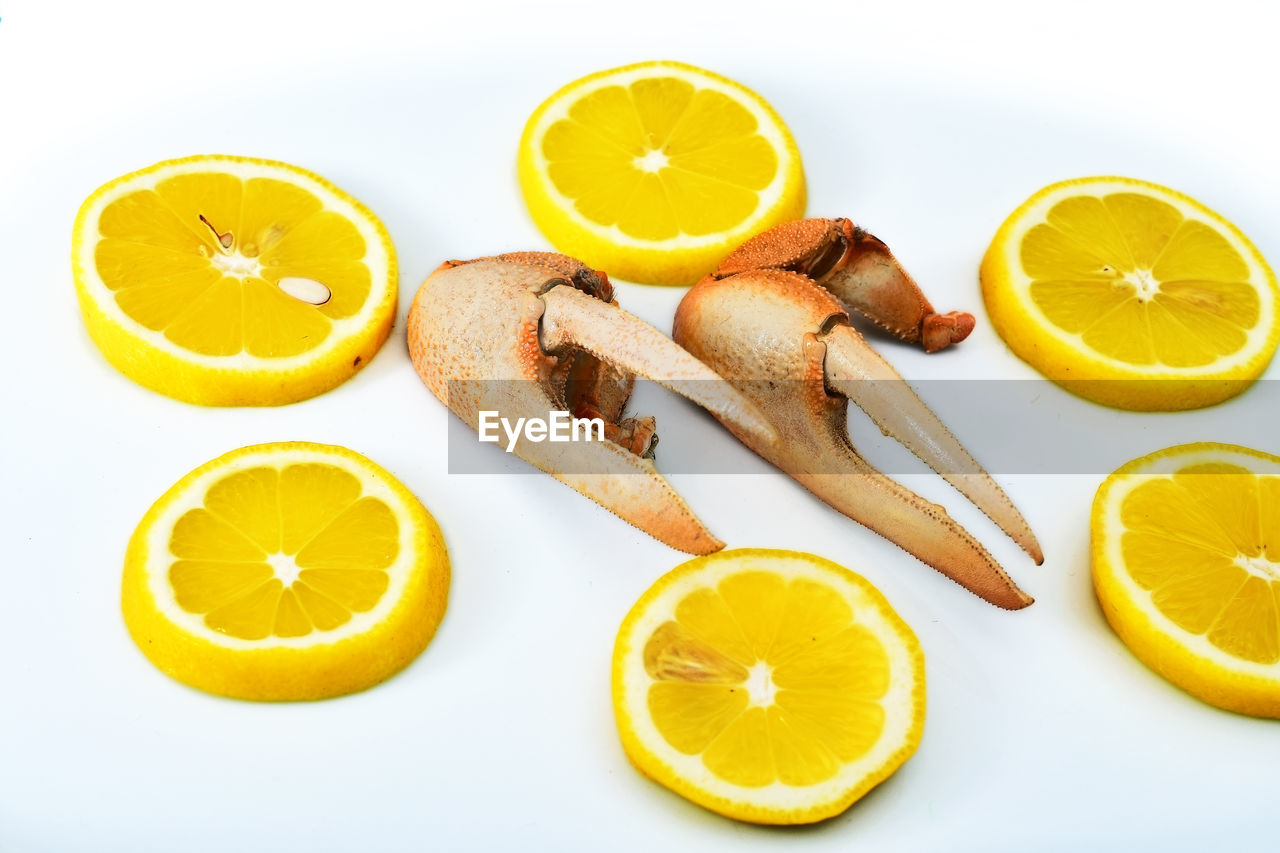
[859, 270]
[787, 345]
[532, 333]
[939, 331]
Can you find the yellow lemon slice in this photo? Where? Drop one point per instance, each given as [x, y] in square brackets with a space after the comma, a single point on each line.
[768, 686]
[285, 571]
[654, 172]
[231, 281]
[1132, 295]
[1186, 564]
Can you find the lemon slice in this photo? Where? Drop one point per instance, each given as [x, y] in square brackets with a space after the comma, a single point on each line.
[285, 571]
[768, 686]
[1132, 295]
[654, 172]
[231, 281]
[1186, 564]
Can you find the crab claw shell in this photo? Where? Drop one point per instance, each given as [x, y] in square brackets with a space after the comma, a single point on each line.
[854, 370]
[580, 275]
[761, 331]
[473, 335]
[575, 320]
[631, 488]
[859, 270]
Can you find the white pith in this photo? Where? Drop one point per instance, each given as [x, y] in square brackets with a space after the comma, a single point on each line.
[236, 263]
[654, 160]
[766, 125]
[160, 558]
[1112, 533]
[900, 702]
[286, 569]
[759, 685]
[1259, 566]
[1144, 284]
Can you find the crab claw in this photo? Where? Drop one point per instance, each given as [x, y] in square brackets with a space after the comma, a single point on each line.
[532, 334]
[859, 270]
[856, 371]
[787, 345]
[573, 320]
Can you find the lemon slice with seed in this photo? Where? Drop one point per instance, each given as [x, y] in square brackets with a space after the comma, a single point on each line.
[654, 172]
[285, 571]
[768, 686]
[233, 281]
[1186, 565]
[1132, 295]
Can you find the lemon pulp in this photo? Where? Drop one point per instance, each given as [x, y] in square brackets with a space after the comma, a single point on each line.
[1205, 543]
[659, 158]
[788, 698]
[1139, 281]
[168, 271]
[283, 552]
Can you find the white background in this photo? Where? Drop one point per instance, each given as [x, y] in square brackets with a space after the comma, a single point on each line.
[925, 123]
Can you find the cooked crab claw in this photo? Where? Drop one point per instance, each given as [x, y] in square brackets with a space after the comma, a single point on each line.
[859, 270]
[788, 346]
[854, 370]
[531, 334]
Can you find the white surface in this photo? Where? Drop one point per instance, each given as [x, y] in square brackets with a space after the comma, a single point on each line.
[926, 124]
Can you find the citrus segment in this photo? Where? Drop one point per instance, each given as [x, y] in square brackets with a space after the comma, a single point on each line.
[1184, 548]
[769, 686]
[654, 172]
[1132, 294]
[285, 571]
[182, 273]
